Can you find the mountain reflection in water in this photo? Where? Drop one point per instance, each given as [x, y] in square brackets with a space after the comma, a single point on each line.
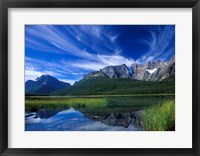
[74, 120]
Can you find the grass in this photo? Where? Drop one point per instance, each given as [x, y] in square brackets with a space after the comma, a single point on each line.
[160, 117]
[104, 104]
[59, 102]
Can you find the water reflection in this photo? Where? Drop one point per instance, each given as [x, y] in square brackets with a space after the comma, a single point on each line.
[74, 120]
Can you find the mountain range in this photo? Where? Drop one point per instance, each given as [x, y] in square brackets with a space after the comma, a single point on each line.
[44, 85]
[154, 77]
[152, 71]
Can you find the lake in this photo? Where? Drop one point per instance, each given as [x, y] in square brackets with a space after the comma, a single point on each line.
[113, 113]
[72, 120]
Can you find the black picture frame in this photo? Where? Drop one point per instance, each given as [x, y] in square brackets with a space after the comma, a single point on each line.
[6, 4]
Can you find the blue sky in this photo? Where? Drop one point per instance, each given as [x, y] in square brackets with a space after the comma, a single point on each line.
[68, 52]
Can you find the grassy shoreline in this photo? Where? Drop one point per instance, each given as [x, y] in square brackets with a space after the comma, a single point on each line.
[94, 101]
[159, 110]
[122, 95]
[160, 117]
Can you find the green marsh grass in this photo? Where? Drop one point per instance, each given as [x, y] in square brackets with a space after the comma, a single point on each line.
[59, 103]
[103, 104]
[160, 117]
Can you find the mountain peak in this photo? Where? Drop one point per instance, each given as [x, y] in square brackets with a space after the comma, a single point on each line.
[154, 70]
[118, 71]
[172, 59]
[44, 85]
[151, 71]
[44, 76]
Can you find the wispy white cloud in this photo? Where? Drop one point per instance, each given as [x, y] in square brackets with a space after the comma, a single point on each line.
[35, 68]
[158, 43]
[88, 65]
[118, 51]
[75, 69]
[61, 43]
[113, 38]
[115, 60]
[93, 46]
[98, 62]
[32, 75]
[46, 38]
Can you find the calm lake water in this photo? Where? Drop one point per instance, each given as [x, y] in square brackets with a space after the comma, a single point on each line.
[87, 114]
[73, 120]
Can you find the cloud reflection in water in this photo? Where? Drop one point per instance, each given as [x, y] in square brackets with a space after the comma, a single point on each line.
[69, 120]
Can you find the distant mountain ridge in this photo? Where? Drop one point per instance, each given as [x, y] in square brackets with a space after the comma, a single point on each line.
[118, 79]
[44, 85]
[152, 71]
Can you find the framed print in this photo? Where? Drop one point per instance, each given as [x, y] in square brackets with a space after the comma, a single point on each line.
[96, 77]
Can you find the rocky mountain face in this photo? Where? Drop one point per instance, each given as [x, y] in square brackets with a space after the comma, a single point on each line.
[119, 119]
[95, 74]
[120, 71]
[152, 71]
[44, 85]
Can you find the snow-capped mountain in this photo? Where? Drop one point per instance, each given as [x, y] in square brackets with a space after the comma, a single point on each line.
[152, 71]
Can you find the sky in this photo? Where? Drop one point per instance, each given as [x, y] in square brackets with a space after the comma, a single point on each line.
[68, 52]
